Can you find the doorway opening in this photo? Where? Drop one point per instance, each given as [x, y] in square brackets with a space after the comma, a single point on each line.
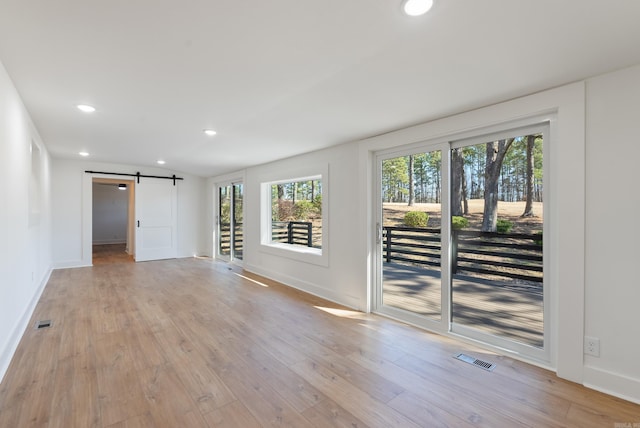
[113, 212]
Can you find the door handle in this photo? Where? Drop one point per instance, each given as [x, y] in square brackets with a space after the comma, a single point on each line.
[378, 233]
[138, 223]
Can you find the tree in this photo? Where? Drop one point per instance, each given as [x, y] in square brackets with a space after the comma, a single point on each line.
[412, 194]
[457, 182]
[465, 201]
[528, 209]
[496, 151]
[394, 179]
[435, 162]
[426, 173]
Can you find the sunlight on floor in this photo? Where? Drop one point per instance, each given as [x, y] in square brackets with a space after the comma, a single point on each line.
[262, 284]
[343, 313]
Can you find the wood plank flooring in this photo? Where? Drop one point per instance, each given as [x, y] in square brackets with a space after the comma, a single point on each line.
[111, 253]
[195, 343]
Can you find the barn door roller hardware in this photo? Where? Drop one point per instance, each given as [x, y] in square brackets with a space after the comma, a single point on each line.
[138, 175]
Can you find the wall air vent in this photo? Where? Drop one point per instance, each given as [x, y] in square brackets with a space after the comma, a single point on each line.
[476, 362]
[43, 324]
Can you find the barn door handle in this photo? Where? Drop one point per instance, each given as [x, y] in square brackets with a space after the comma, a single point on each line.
[138, 223]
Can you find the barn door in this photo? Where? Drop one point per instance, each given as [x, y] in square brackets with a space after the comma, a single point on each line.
[156, 220]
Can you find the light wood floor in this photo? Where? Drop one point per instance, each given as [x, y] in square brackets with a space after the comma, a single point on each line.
[193, 343]
[111, 253]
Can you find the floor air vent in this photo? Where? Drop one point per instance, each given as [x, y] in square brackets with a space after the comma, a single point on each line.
[476, 362]
[43, 324]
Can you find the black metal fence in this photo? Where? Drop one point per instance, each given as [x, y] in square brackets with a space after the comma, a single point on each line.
[508, 255]
[225, 240]
[289, 232]
[292, 232]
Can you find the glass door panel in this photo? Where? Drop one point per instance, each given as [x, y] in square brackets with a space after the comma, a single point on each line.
[224, 221]
[496, 239]
[237, 236]
[410, 235]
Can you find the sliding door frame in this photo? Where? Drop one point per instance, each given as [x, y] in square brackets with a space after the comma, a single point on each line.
[540, 354]
[545, 356]
[231, 257]
[441, 325]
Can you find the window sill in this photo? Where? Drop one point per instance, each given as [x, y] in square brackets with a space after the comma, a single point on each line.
[297, 252]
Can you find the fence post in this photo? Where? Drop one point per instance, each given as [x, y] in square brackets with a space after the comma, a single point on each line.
[290, 233]
[309, 235]
[388, 252]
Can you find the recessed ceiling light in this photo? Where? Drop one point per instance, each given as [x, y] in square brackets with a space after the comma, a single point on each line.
[84, 154]
[86, 108]
[210, 132]
[161, 162]
[416, 7]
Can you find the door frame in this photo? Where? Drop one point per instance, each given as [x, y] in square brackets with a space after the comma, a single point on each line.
[540, 354]
[442, 325]
[545, 356]
[87, 214]
[131, 212]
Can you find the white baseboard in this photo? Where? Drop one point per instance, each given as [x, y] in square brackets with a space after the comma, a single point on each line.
[306, 286]
[611, 383]
[7, 353]
[70, 264]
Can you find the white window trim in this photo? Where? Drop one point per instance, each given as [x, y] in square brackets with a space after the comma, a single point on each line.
[565, 107]
[316, 256]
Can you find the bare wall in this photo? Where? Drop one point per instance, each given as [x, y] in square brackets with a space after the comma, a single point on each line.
[612, 309]
[25, 226]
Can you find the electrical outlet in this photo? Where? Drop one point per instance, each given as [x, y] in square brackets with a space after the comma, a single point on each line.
[592, 346]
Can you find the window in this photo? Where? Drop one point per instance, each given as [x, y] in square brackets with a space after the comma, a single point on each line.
[293, 217]
[296, 213]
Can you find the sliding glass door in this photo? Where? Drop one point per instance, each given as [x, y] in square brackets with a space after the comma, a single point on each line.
[497, 208]
[460, 238]
[410, 237]
[229, 236]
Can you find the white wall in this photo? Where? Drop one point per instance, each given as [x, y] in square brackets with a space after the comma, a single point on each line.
[110, 214]
[612, 310]
[72, 211]
[25, 228]
[192, 239]
[344, 279]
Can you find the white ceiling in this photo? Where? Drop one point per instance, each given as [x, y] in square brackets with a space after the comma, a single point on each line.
[282, 77]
